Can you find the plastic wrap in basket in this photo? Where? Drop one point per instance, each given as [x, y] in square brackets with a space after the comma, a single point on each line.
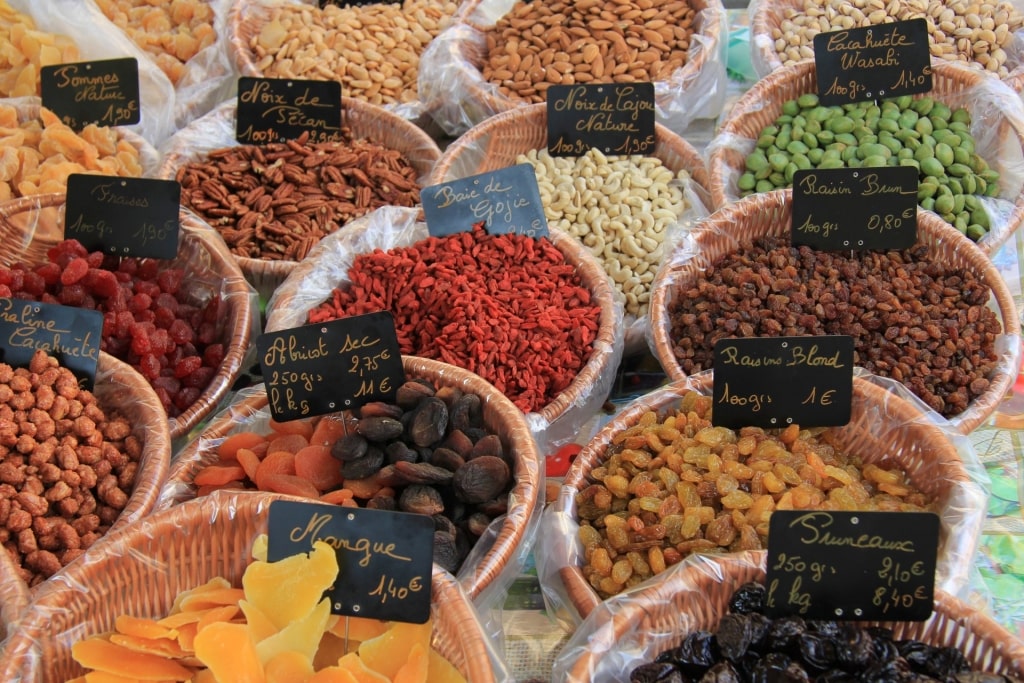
[997, 126]
[501, 560]
[141, 569]
[887, 428]
[32, 225]
[769, 215]
[68, 152]
[349, 36]
[497, 143]
[454, 92]
[314, 280]
[633, 628]
[118, 389]
[216, 130]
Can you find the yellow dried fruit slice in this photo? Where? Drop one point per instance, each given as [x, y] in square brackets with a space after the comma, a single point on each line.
[218, 597]
[333, 674]
[143, 628]
[102, 655]
[440, 670]
[260, 625]
[289, 589]
[362, 673]
[387, 652]
[288, 667]
[415, 668]
[156, 646]
[358, 628]
[229, 653]
[302, 635]
[213, 584]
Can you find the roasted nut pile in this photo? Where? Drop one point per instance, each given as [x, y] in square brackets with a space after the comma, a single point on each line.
[429, 452]
[746, 645]
[373, 49]
[67, 466]
[674, 485]
[922, 323]
[619, 206]
[922, 133]
[24, 50]
[276, 201]
[37, 156]
[172, 32]
[971, 31]
[150, 321]
[541, 43]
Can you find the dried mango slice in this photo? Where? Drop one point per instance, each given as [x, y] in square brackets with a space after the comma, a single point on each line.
[387, 653]
[107, 677]
[288, 667]
[143, 628]
[204, 676]
[415, 668]
[157, 646]
[333, 674]
[440, 670]
[259, 548]
[212, 584]
[260, 626]
[362, 673]
[331, 649]
[218, 597]
[302, 635]
[289, 589]
[215, 614]
[358, 628]
[102, 655]
[229, 653]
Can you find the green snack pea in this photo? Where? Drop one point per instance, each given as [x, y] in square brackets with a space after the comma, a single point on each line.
[764, 172]
[976, 232]
[908, 119]
[959, 127]
[746, 182]
[765, 141]
[944, 153]
[955, 186]
[764, 185]
[904, 101]
[854, 162]
[912, 143]
[815, 155]
[924, 152]
[797, 147]
[778, 161]
[970, 184]
[944, 191]
[905, 153]
[992, 190]
[784, 119]
[990, 175]
[799, 121]
[960, 223]
[932, 166]
[874, 161]
[939, 124]
[928, 203]
[812, 126]
[832, 155]
[810, 140]
[802, 161]
[790, 108]
[889, 125]
[968, 144]
[971, 203]
[944, 204]
[831, 163]
[796, 133]
[820, 114]
[757, 160]
[846, 138]
[958, 170]
[911, 162]
[961, 115]
[826, 137]
[849, 154]
[777, 179]
[873, 149]
[791, 168]
[961, 155]
[923, 105]
[783, 138]
[840, 124]
[807, 100]
[770, 129]
[892, 144]
[978, 164]
[904, 135]
[926, 190]
[940, 111]
[980, 217]
[958, 203]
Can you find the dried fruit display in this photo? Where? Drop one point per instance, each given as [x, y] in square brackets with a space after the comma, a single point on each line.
[24, 50]
[276, 628]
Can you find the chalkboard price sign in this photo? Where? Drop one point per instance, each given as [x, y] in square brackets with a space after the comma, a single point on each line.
[103, 92]
[852, 565]
[616, 118]
[507, 201]
[385, 558]
[328, 367]
[873, 62]
[855, 208]
[279, 109]
[68, 333]
[778, 381]
[124, 216]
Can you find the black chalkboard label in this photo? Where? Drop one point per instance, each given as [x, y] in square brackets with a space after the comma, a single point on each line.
[506, 201]
[855, 208]
[103, 92]
[872, 62]
[332, 366]
[69, 334]
[124, 216]
[616, 118]
[852, 565]
[778, 381]
[385, 558]
[279, 109]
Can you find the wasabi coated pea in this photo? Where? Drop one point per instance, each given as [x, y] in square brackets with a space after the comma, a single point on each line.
[919, 133]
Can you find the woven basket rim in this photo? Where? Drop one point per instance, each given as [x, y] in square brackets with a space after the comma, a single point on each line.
[198, 516]
[710, 32]
[930, 225]
[764, 96]
[526, 475]
[236, 294]
[583, 597]
[363, 113]
[734, 569]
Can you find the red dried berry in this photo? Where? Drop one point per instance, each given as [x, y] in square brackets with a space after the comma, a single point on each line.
[180, 332]
[139, 303]
[186, 366]
[50, 273]
[213, 355]
[149, 366]
[148, 270]
[140, 345]
[34, 284]
[170, 279]
[186, 397]
[200, 377]
[74, 271]
[146, 287]
[164, 317]
[102, 282]
[72, 295]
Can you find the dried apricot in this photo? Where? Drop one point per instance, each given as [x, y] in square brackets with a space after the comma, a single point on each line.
[230, 445]
[289, 484]
[218, 475]
[319, 467]
[276, 462]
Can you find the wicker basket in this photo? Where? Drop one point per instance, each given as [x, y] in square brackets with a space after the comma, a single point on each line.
[31, 225]
[883, 429]
[500, 416]
[453, 63]
[559, 421]
[998, 127]
[140, 570]
[769, 214]
[216, 130]
[498, 141]
[695, 595]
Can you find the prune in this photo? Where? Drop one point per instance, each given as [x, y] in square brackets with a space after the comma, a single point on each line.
[783, 633]
[817, 651]
[893, 671]
[747, 598]
[697, 653]
[723, 672]
[853, 647]
[776, 667]
[933, 661]
[735, 634]
[657, 672]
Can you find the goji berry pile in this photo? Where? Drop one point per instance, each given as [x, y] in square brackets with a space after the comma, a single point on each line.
[148, 322]
[506, 307]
